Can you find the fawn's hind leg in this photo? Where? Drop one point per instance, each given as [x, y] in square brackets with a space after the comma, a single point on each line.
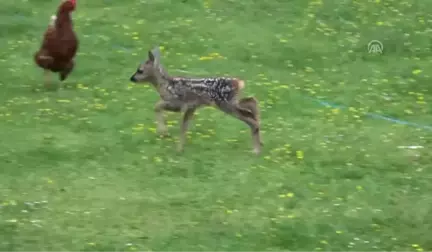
[248, 117]
[251, 103]
[188, 114]
[159, 108]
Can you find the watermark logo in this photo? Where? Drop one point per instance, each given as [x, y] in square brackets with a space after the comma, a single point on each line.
[375, 47]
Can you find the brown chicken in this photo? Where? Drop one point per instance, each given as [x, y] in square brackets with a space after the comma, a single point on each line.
[59, 45]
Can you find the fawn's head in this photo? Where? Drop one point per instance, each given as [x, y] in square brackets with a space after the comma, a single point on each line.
[147, 70]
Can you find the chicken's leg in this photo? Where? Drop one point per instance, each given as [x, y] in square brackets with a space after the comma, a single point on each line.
[67, 70]
[47, 77]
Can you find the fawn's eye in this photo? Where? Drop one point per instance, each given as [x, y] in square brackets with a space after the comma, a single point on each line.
[140, 71]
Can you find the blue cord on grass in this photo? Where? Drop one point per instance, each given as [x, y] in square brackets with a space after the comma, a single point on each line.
[377, 116]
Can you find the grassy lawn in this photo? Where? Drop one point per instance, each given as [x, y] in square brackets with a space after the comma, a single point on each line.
[83, 168]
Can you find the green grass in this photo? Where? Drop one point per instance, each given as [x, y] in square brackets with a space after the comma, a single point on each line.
[83, 169]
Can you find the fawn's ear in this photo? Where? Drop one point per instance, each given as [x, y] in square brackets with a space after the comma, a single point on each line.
[156, 55]
[151, 56]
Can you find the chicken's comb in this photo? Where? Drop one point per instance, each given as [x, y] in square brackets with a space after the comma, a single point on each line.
[73, 2]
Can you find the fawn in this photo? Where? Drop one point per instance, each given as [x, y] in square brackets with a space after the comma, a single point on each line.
[186, 95]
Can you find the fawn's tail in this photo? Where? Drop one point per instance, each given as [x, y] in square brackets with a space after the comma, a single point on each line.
[238, 84]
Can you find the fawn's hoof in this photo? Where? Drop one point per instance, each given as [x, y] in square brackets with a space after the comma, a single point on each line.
[256, 151]
[162, 131]
[164, 134]
[180, 149]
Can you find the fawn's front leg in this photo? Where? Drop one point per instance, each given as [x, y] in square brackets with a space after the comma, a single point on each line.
[159, 108]
[188, 114]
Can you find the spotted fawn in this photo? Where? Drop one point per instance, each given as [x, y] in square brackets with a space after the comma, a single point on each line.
[186, 95]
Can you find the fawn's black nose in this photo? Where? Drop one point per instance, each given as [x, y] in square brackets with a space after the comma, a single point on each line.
[132, 78]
